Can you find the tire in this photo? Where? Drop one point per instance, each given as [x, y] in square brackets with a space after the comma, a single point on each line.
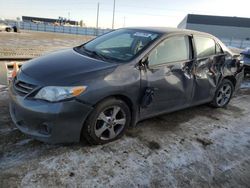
[102, 127]
[8, 29]
[223, 94]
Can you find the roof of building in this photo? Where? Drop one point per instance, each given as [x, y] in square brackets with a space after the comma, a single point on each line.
[47, 20]
[218, 20]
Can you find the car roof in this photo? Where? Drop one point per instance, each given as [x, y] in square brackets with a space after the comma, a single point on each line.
[170, 30]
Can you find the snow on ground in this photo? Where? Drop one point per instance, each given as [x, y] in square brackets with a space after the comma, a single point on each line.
[196, 147]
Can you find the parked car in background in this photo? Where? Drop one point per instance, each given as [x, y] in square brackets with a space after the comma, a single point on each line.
[5, 27]
[97, 90]
[246, 59]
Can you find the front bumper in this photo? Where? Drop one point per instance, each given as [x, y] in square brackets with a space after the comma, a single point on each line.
[48, 122]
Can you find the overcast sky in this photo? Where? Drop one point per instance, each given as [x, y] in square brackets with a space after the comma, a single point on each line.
[128, 12]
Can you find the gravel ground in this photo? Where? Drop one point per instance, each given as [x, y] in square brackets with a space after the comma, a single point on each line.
[33, 44]
[196, 147]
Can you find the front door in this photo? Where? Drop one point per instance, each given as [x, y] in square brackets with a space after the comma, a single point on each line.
[169, 74]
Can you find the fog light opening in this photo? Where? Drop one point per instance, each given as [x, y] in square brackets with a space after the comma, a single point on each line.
[45, 129]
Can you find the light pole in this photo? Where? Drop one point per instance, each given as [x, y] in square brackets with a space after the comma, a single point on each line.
[113, 20]
[124, 21]
[97, 18]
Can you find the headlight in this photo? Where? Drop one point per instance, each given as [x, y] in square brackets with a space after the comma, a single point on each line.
[54, 93]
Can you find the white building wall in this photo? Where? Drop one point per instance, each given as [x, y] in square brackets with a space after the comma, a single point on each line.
[232, 36]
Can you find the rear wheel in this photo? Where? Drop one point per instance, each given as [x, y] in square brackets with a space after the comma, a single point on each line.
[223, 94]
[107, 122]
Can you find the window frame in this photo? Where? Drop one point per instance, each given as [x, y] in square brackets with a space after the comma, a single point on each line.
[218, 45]
[191, 51]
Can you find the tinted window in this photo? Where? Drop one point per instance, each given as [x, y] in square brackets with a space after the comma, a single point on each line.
[204, 46]
[170, 50]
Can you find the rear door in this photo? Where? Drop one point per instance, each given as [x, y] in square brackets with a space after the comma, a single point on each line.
[169, 73]
[207, 68]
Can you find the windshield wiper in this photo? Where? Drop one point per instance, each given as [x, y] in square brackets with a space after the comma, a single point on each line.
[96, 54]
[102, 57]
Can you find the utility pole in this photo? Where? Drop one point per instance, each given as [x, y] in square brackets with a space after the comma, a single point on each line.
[113, 21]
[124, 21]
[97, 18]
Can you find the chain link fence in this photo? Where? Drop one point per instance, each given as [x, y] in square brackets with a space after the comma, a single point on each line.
[59, 29]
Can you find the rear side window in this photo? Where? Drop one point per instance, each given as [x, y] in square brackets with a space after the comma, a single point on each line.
[204, 46]
[170, 50]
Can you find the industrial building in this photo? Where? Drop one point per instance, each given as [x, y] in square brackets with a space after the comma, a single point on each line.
[60, 20]
[233, 31]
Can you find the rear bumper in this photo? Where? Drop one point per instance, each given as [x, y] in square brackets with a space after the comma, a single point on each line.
[49, 122]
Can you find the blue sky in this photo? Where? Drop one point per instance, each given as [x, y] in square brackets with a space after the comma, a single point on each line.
[128, 12]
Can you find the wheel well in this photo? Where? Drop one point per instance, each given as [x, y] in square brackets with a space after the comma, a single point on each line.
[128, 101]
[232, 79]
[123, 98]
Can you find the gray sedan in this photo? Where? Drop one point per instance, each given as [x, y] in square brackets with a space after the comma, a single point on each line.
[97, 90]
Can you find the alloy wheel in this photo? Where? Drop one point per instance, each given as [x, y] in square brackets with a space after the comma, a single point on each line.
[110, 123]
[224, 94]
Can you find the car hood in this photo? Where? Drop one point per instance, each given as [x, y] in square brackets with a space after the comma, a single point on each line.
[66, 66]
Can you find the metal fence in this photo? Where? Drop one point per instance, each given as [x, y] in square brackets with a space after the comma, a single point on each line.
[59, 29]
[237, 43]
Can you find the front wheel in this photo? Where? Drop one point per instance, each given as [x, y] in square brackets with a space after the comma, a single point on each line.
[107, 122]
[223, 94]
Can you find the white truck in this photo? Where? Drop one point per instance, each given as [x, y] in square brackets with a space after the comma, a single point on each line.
[5, 27]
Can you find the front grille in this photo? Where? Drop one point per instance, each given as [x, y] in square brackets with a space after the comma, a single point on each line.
[23, 88]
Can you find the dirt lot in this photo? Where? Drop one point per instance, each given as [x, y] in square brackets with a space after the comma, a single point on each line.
[33, 44]
[196, 147]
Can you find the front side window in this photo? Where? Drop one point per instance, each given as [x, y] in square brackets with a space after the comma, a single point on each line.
[121, 45]
[205, 47]
[172, 49]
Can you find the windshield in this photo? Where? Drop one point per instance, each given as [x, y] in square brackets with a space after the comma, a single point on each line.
[121, 45]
